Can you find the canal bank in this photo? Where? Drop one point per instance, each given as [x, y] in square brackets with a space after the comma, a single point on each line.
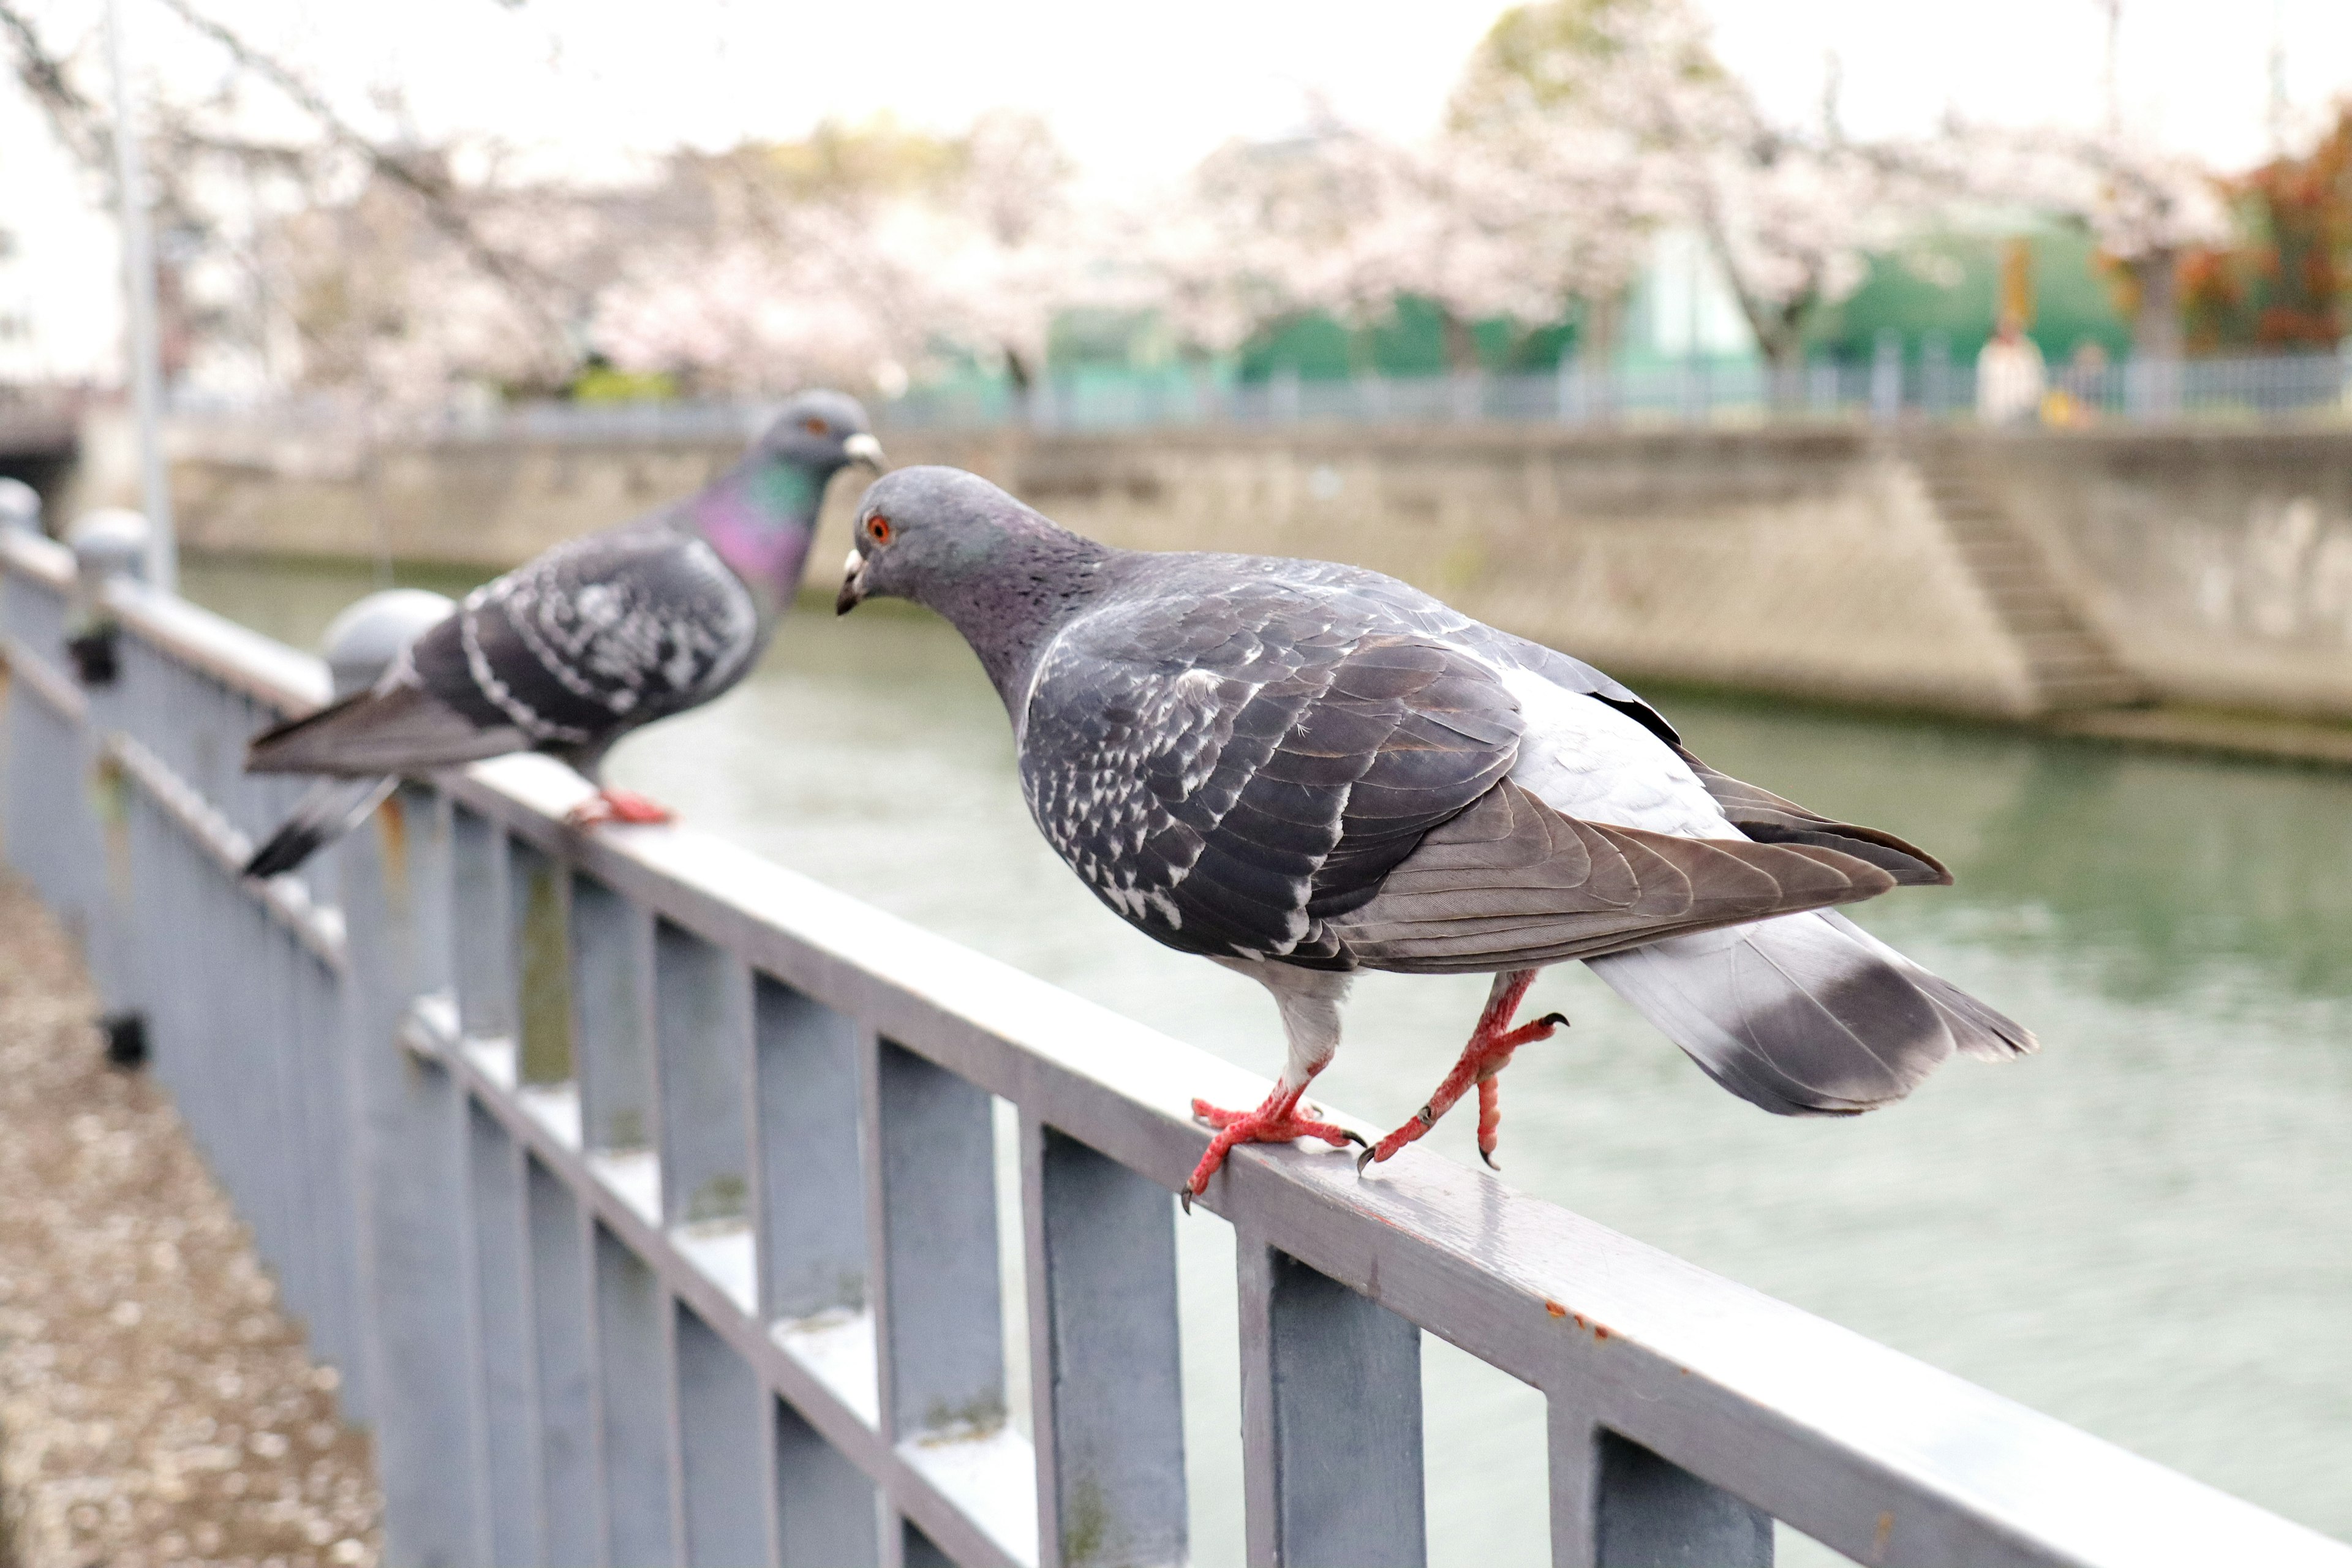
[2188, 587]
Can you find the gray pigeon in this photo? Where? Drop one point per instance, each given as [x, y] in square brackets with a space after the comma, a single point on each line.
[583, 644]
[1299, 769]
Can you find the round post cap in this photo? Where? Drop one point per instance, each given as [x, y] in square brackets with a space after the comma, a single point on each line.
[110, 540]
[362, 642]
[20, 507]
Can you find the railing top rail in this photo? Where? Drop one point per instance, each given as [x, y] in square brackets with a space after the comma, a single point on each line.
[42, 560]
[242, 660]
[1710, 1374]
[1877, 1454]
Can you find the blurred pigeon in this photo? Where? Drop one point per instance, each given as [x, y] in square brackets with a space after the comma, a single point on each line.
[1299, 769]
[590, 640]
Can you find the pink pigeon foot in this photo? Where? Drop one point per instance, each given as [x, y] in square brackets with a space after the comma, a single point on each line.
[1274, 1122]
[1488, 1053]
[617, 806]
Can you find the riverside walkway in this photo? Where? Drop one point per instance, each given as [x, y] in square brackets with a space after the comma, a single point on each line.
[156, 1405]
[644, 1196]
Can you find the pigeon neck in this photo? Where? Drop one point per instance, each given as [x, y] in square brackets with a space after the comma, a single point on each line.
[1038, 580]
[759, 515]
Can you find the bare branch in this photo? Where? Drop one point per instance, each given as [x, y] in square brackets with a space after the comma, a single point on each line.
[422, 178]
[80, 124]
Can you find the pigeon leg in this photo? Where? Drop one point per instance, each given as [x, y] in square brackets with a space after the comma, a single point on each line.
[1488, 1053]
[617, 806]
[1276, 1120]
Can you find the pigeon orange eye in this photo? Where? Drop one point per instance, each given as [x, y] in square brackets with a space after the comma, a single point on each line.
[814, 427]
[879, 529]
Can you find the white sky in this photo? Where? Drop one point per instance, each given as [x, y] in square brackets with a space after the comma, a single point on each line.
[1137, 92]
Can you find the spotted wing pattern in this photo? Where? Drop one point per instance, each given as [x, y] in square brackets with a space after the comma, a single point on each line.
[594, 637]
[1228, 770]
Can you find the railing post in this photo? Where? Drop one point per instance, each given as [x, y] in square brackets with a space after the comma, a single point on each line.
[810, 1213]
[931, 1209]
[1615, 1504]
[571, 1515]
[613, 1039]
[1105, 1384]
[412, 1116]
[702, 1028]
[502, 1307]
[1330, 1421]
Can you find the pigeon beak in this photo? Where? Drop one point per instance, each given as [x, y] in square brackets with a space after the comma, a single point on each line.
[853, 585]
[863, 449]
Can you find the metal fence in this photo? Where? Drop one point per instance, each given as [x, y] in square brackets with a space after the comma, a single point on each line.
[1698, 392]
[645, 1194]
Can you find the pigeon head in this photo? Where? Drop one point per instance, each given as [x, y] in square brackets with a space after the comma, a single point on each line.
[1001, 573]
[760, 514]
[821, 432]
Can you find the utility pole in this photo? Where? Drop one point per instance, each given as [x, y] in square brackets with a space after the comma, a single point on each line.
[138, 295]
[2278, 79]
[2114, 79]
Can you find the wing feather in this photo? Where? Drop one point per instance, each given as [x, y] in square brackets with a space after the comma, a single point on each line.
[1511, 883]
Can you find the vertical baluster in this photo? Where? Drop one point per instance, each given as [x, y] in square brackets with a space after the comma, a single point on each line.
[702, 1024]
[931, 1197]
[425, 1374]
[1615, 1504]
[539, 903]
[934, 1208]
[612, 961]
[812, 1208]
[571, 1517]
[725, 1433]
[613, 1036]
[482, 952]
[825, 1507]
[633, 1355]
[1104, 1375]
[1330, 1421]
[502, 1306]
[269, 959]
[337, 1228]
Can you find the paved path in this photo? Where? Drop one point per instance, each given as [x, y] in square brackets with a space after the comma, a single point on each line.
[155, 1406]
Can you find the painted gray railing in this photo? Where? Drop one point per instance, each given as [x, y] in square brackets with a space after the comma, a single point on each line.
[644, 1193]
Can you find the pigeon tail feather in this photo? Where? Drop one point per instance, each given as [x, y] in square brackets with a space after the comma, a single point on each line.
[333, 808]
[391, 730]
[1805, 1016]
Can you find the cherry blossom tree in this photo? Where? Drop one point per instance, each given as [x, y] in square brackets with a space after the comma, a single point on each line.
[1618, 119]
[2147, 206]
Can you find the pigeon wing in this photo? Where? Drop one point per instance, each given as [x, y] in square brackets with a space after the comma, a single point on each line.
[1230, 773]
[1513, 884]
[594, 638]
[1768, 819]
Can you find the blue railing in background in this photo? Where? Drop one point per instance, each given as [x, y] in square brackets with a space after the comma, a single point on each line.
[2299, 387]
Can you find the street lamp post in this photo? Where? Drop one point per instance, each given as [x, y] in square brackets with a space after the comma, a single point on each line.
[139, 291]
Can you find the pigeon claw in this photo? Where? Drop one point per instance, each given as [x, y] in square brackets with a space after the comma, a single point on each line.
[619, 805]
[1277, 1120]
[1487, 1054]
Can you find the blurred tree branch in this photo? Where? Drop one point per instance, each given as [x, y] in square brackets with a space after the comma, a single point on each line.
[425, 178]
[79, 124]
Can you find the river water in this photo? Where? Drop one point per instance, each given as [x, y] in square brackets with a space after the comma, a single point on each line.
[2145, 1230]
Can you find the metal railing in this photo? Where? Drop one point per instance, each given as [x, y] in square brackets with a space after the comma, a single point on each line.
[1697, 392]
[644, 1193]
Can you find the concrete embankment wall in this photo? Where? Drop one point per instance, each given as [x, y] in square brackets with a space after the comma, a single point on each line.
[2217, 566]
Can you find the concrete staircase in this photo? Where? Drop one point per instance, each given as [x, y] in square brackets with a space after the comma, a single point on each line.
[2069, 663]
